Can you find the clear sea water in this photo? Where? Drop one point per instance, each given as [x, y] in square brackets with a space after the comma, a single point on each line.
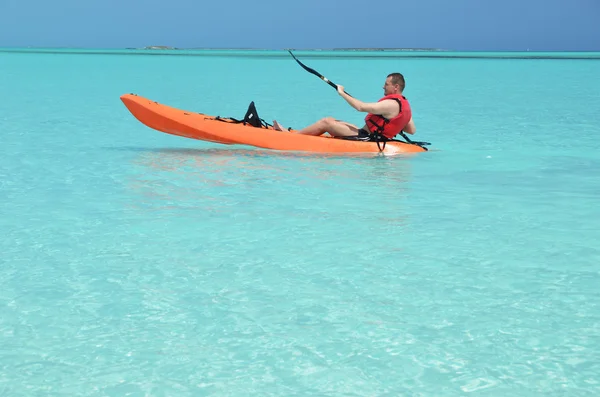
[136, 263]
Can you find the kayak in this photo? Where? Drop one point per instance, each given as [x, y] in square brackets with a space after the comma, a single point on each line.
[230, 131]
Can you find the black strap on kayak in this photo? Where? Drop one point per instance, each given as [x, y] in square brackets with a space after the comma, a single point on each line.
[371, 137]
[258, 124]
[421, 144]
[379, 138]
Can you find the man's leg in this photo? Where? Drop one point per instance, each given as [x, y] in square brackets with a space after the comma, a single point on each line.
[328, 124]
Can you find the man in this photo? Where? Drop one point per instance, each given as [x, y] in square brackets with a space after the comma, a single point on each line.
[386, 117]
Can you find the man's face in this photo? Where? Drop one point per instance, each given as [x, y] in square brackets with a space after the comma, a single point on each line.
[388, 87]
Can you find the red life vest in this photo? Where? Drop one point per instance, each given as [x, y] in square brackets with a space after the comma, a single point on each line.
[390, 128]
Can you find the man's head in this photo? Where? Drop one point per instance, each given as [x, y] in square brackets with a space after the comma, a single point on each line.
[394, 84]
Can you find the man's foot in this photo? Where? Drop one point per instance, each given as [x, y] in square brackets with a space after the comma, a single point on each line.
[277, 126]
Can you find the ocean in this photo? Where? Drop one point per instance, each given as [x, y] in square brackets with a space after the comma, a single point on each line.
[143, 264]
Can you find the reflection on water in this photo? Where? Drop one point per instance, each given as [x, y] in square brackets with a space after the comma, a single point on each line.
[220, 179]
[178, 160]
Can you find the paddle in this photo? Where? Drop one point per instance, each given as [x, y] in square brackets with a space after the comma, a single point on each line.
[331, 83]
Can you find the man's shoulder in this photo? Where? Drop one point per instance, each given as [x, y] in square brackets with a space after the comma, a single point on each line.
[394, 98]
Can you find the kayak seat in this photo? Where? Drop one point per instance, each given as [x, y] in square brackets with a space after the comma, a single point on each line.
[251, 118]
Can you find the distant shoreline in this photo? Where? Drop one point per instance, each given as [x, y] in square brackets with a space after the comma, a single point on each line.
[162, 47]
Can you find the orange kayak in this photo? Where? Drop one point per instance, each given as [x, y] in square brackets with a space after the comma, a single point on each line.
[230, 131]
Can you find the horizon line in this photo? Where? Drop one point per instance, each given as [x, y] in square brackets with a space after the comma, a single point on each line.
[364, 49]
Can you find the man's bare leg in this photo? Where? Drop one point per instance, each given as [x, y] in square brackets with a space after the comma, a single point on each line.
[328, 124]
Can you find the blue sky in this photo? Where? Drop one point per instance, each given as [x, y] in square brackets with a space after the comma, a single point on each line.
[542, 25]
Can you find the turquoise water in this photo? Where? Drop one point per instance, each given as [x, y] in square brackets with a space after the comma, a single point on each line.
[142, 264]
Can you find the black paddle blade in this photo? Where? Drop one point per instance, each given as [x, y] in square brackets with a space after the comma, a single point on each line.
[310, 70]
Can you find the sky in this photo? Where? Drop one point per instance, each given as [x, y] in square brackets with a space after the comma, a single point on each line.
[462, 25]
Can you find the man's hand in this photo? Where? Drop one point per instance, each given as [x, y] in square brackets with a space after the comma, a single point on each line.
[340, 89]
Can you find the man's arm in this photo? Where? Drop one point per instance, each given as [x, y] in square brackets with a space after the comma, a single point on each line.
[387, 108]
[410, 127]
